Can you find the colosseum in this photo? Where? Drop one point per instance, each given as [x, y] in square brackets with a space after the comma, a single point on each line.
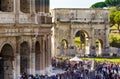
[25, 37]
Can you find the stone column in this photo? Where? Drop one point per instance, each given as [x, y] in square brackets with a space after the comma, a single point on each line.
[16, 10]
[49, 50]
[43, 54]
[32, 56]
[87, 46]
[32, 6]
[46, 51]
[106, 42]
[17, 59]
[92, 48]
[32, 10]
[14, 6]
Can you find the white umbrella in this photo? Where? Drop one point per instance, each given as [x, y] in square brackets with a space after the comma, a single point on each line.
[76, 59]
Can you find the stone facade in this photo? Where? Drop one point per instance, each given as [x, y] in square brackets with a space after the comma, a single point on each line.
[93, 24]
[25, 37]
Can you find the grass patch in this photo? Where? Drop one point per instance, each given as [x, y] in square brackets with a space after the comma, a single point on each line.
[114, 60]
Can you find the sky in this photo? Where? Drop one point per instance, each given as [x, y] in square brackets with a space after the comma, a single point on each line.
[72, 3]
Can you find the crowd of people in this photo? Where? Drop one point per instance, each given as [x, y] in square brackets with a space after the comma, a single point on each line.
[107, 70]
[79, 70]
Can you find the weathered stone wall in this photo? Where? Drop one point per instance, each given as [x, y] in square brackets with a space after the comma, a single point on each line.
[23, 33]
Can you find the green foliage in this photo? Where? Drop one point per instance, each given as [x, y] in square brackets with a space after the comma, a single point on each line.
[112, 2]
[112, 20]
[99, 5]
[113, 9]
[114, 40]
[117, 17]
[77, 41]
[106, 3]
[113, 27]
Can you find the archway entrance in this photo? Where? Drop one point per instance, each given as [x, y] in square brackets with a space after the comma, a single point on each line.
[6, 62]
[24, 57]
[99, 46]
[81, 43]
[37, 57]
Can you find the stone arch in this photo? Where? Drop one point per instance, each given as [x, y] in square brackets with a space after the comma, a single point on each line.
[37, 57]
[6, 5]
[24, 57]
[6, 62]
[82, 37]
[25, 6]
[99, 46]
[85, 31]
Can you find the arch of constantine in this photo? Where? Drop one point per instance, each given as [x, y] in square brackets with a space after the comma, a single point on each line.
[90, 26]
[25, 37]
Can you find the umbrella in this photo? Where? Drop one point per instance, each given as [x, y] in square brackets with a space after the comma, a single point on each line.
[76, 59]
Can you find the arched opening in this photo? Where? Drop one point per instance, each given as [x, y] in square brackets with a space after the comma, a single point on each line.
[63, 47]
[6, 5]
[99, 46]
[25, 6]
[37, 57]
[64, 44]
[81, 43]
[6, 62]
[24, 57]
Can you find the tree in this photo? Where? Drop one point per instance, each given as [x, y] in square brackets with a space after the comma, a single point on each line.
[99, 5]
[117, 20]
[113, 9]
[106, 3]
[112, 21]
[110, 3]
